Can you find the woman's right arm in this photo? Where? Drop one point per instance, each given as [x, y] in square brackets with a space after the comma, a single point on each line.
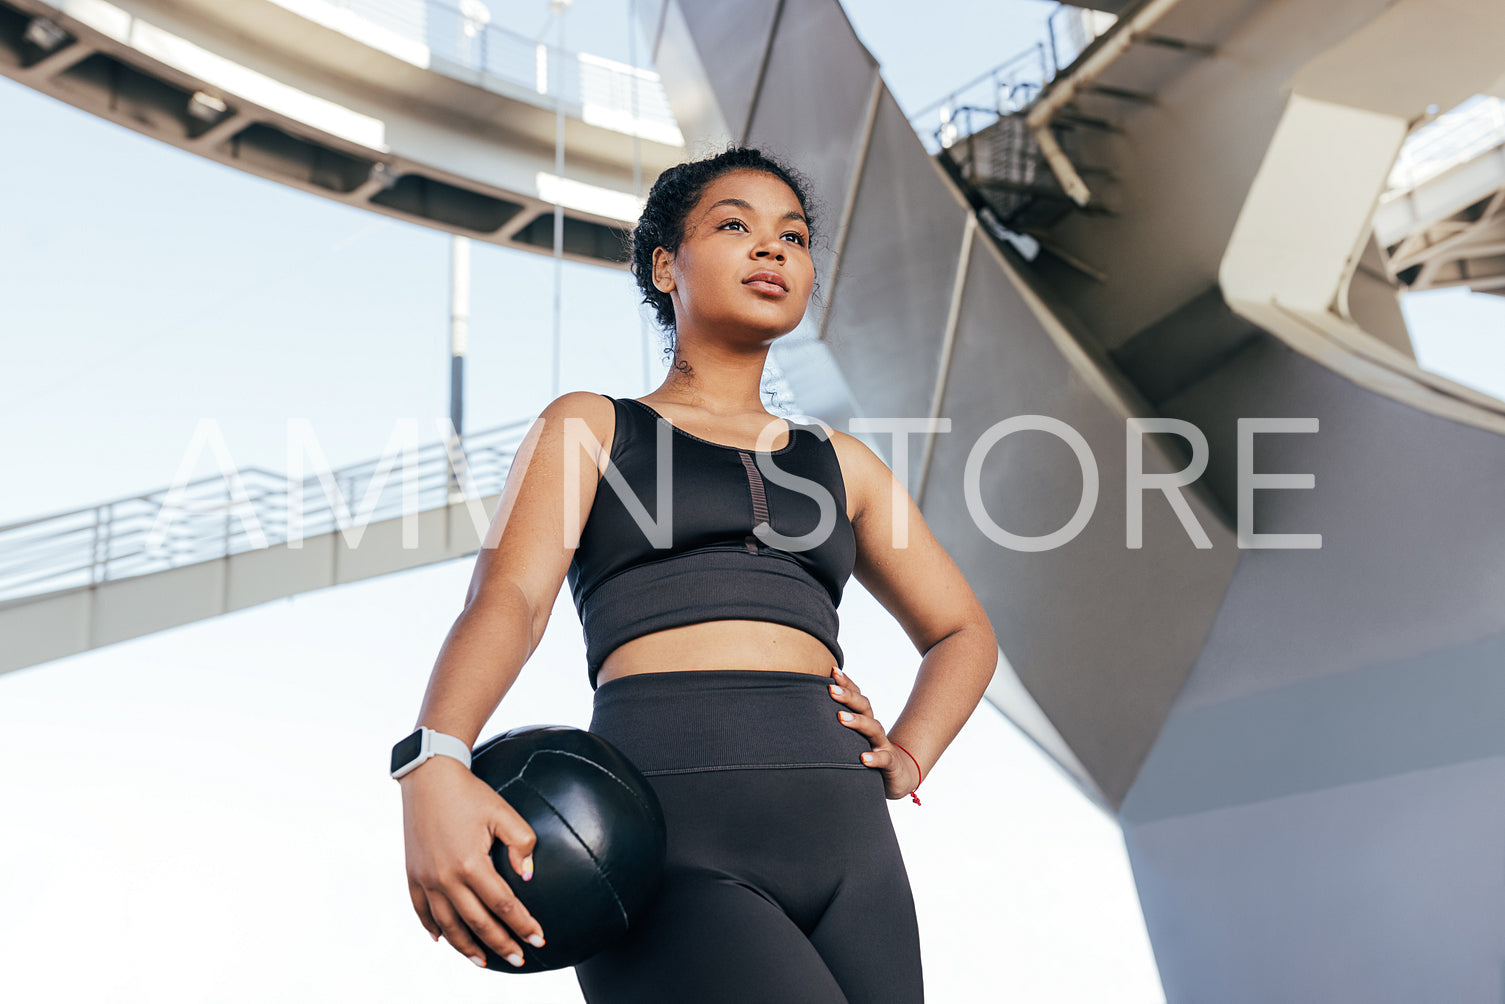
[450, 816]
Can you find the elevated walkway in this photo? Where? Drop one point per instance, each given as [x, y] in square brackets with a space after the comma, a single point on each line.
[346, 100]
[80, 580]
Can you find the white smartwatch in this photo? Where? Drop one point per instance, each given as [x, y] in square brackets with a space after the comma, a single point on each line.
[423, 743]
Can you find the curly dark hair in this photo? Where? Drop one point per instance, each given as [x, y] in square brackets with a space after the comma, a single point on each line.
[673, 195]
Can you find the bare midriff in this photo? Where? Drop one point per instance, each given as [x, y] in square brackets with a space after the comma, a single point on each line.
[725, 644]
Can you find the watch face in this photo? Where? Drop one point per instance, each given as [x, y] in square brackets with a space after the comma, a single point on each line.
[407, 750]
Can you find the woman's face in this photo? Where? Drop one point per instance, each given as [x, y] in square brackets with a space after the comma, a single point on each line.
[746, 221]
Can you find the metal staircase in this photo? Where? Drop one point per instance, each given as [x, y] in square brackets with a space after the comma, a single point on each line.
[1025, 158]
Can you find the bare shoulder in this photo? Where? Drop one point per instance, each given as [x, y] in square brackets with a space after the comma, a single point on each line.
[533, 535]
[863, 471]
[558, 420]
[596, 410]
[899, 560]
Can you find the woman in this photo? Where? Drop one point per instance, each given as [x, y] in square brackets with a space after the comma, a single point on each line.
[710, 628]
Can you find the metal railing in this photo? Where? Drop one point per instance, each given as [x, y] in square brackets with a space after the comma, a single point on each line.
[1010, 87]
[462, 33]
[243, 510]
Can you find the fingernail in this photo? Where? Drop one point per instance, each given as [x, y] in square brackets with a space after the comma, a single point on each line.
[839, 673]
[436, 937]
[867, 758]
[528, 868]
[515, 959]
[478, 960]
[845, 716]
[837, 690]
[536, 940]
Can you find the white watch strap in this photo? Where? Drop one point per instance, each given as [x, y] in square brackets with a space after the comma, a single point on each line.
[439, 742]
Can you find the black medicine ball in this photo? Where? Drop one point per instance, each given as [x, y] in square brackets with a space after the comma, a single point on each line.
[599, 855]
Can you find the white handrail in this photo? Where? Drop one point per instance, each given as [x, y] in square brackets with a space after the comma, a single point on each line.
[458, 32]
[109, 541]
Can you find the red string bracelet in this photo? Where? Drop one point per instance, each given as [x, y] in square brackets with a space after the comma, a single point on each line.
[917, 768]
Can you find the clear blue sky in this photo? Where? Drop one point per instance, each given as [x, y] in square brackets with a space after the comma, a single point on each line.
[204, 814]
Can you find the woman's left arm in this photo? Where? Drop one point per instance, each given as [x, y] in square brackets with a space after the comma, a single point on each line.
[906, 569]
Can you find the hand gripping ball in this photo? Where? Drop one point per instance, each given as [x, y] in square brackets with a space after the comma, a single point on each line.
[600, 845]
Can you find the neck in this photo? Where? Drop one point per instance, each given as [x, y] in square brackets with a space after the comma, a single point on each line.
[715, 379]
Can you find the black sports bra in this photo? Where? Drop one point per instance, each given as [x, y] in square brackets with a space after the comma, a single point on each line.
[702, 556]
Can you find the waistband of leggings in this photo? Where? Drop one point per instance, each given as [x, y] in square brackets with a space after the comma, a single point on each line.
[725, 719]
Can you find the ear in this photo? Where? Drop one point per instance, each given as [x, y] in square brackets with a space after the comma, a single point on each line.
[663, 270]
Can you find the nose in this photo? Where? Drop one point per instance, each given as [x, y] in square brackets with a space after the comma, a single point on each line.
[765, 252]
[776, 251]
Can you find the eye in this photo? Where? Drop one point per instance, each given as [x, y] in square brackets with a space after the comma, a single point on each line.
[799, 238]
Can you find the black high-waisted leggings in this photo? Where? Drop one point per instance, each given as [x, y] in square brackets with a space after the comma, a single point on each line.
[784, 883]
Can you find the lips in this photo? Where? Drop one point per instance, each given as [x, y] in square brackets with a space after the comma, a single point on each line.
[772, 278]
